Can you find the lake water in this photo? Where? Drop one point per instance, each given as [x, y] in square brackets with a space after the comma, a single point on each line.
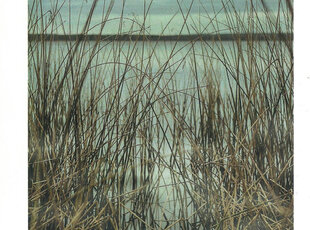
[176, 70]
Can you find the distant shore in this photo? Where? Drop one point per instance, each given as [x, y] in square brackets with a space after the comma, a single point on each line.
[128, 37]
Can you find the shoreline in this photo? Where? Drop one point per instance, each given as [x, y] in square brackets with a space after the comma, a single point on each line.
[128, 37]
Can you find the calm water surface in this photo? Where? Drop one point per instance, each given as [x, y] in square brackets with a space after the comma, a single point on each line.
[175, 68]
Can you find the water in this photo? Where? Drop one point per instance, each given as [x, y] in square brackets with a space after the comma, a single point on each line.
[159, 73]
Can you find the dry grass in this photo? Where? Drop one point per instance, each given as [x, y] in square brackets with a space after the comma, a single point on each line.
[116, 141]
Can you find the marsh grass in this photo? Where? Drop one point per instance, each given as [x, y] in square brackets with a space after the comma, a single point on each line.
[118, 141]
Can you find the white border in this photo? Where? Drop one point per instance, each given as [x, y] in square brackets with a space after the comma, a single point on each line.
[13, 114]
[301, 114]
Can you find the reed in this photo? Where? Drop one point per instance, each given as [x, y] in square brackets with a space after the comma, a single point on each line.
[118, 141]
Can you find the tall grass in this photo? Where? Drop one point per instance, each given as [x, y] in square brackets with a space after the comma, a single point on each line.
[118, 141]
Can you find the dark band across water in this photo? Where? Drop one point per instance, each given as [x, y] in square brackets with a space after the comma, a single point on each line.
[128, 37]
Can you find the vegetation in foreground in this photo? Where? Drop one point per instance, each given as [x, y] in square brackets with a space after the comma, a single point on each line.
[117, 145]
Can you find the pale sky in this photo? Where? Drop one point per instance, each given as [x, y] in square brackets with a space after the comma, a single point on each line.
[161, 12]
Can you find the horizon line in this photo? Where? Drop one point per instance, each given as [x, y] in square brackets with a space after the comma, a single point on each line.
[185, 37]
